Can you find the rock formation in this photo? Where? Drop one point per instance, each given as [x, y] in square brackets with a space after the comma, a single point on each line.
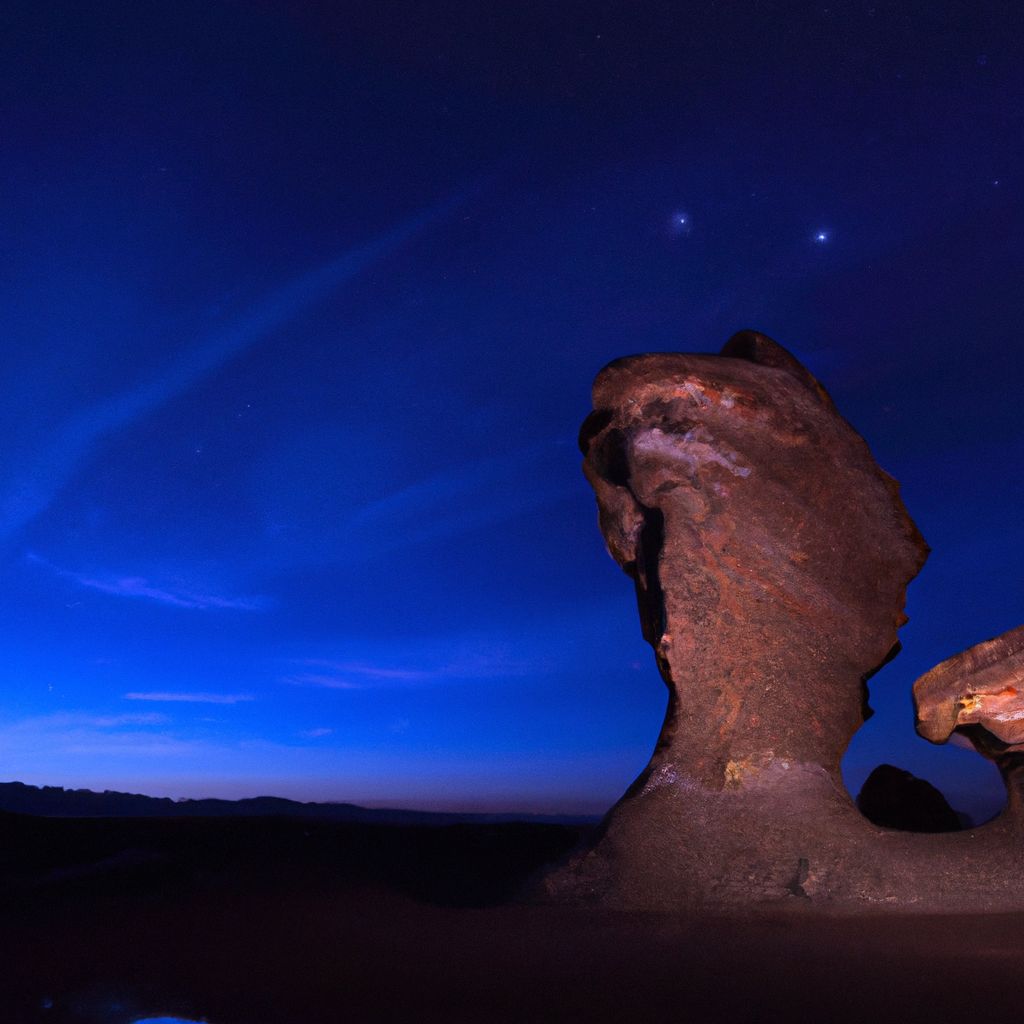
[770, 556]
[979, 693]
[893, 798]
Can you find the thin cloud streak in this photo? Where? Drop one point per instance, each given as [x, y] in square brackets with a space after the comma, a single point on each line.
[467, 497]
[324, 681]
[83, 720]
[44, 738]
[371, 671]
[139, 587]
[191, 698]
[578, 641]
[449, 659]
[30, 491]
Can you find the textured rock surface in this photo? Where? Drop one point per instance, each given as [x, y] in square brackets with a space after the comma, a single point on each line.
[894, 798]
[770, 556]
[979, 692]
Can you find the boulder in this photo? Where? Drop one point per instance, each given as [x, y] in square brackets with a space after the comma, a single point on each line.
[894, 798]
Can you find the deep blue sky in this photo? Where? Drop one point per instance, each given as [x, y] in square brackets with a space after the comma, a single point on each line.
[302, 303]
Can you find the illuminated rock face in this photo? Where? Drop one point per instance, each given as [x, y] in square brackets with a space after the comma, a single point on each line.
[979, 693]
[770, 556]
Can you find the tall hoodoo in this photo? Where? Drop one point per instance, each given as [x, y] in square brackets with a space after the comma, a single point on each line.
[771, 557]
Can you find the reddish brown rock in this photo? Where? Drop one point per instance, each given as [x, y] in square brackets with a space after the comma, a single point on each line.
[982, 687]
[979, 693]
[770, 556]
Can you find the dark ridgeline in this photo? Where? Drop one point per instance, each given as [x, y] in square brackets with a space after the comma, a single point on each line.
[57, 802]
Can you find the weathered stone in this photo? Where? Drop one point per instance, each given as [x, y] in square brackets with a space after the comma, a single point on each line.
[894, 798]
[979, 692]
[770, 556]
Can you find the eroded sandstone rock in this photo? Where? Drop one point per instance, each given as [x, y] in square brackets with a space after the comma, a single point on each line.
[770, 556]
[979, 692]
[766, 545]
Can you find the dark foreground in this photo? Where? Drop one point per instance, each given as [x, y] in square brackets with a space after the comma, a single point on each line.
[267, 921]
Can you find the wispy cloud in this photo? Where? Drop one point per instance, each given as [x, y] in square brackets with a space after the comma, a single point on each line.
[469, 496]
[140, 587]
[84, 720]
[361, 673]
[31, 488]
[576, 639]
[315, 734]
[327, 682]
[58, 748]
[435, 661]
[190, 698]
[374, 671]
[47, 739]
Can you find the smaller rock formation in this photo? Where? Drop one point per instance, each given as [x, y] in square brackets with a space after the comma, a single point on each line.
[979, 693]
[894, 798]
[981, 687]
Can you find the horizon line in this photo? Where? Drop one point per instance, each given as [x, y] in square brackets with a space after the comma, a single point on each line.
[397, 805]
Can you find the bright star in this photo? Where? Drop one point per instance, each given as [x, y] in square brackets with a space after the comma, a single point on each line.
[680, 223]
[821, 236]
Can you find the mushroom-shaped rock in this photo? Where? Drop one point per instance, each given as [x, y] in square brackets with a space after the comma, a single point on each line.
[770, 553]
[770, 556]
[979, 691]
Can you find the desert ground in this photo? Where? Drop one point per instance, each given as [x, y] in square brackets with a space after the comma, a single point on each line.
[280, 921]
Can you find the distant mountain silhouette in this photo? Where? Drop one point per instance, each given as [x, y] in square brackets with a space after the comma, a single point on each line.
[57, 802]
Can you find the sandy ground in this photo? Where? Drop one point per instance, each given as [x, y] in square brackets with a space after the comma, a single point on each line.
[265, 922]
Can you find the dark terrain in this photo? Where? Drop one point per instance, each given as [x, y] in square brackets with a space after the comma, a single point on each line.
[57, 802]
[288, 921]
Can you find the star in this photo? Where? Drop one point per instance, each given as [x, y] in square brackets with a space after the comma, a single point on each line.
[821, 237]
[680, 223]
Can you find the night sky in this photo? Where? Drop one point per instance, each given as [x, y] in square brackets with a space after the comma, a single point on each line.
[302, 304]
